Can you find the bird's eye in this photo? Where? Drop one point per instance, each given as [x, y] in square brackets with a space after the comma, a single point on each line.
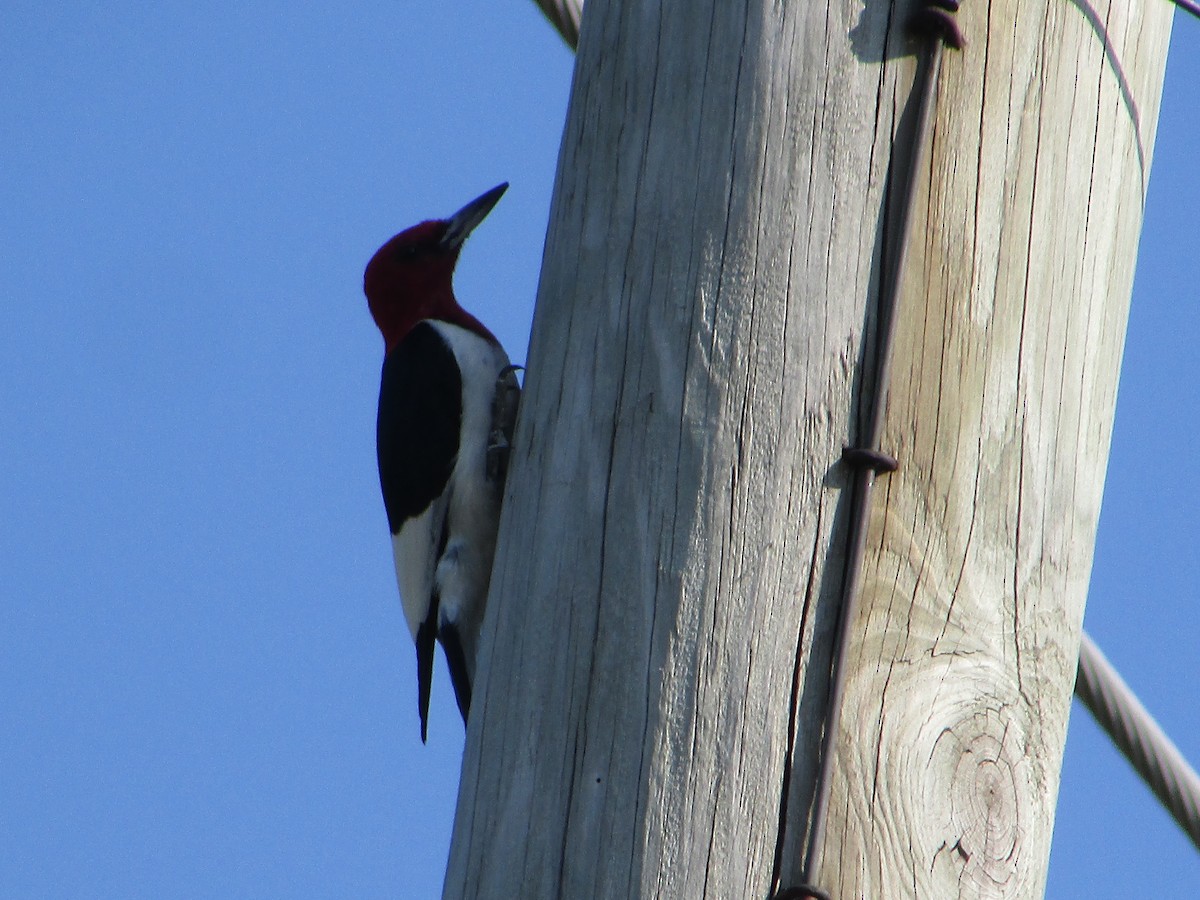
[408, 252]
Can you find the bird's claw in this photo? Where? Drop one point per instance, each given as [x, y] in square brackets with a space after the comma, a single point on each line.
[505, 403]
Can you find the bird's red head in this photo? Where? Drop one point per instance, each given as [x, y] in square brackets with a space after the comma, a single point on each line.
[410, 277]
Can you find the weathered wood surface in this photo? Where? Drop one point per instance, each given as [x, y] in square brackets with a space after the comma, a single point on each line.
[671, 548]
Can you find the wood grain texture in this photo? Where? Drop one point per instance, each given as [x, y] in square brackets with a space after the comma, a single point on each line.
[671, 546]
[1001, 409]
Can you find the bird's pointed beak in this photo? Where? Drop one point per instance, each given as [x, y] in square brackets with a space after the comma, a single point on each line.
[463, 222]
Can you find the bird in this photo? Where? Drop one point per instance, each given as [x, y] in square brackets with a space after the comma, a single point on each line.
[446, 408]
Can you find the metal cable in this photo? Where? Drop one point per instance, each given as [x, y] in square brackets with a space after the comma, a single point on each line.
[1188, 6]
[1155, 758]
[564, 15]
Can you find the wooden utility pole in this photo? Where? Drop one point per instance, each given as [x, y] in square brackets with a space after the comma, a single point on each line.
[655, 661]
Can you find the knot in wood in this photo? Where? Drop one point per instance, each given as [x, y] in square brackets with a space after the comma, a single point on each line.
[984, 808]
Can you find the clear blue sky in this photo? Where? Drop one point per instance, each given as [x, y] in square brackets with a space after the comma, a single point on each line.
[206, 685]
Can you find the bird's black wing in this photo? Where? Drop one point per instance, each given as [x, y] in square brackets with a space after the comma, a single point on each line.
[416, 439]
[420, 415]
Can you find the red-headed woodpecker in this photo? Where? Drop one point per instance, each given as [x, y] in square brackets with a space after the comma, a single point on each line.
[444, 375]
